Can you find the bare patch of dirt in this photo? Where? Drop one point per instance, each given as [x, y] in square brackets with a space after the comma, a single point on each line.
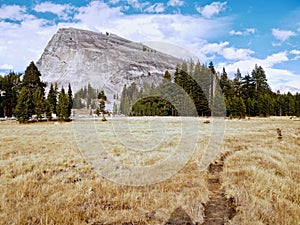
[219, 209]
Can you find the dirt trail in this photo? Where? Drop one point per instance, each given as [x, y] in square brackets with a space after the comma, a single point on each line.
[219, 209]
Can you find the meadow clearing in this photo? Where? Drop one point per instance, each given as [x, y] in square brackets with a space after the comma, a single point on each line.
[46, 176]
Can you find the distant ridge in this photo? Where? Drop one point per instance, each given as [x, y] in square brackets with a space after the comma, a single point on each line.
[284, 89]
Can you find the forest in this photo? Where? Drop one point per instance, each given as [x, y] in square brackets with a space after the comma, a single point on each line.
[193, 90]
[204, 92]
[23, 97]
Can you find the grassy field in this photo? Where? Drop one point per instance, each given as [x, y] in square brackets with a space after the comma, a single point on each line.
[45, 178]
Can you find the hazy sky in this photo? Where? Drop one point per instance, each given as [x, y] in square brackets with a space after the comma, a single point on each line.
[233, 34]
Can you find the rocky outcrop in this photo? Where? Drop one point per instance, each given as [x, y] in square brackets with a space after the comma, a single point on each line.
[104, 60]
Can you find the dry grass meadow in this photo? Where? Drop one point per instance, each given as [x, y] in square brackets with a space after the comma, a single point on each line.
[44, 179]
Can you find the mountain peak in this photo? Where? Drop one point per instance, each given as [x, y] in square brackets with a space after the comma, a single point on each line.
[104, 60]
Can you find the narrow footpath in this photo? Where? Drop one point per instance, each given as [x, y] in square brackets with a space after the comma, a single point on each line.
[219, 209]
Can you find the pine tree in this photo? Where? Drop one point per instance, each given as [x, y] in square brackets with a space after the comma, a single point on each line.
[212, 78]
[226, 85]
[9, 87]
[102, 95]
[52, 99]
[70, 97]
[237, 107]
[23, 110]
[259, 79]
[62, 108]
[101, 98]
[48, 110]
[39, 103]
[177, 76]
[102, 106]
[297, 104]
[31, 79]
[237, 82]
[167, 75]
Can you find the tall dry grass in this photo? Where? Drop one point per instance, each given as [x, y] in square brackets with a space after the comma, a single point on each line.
[264, 175]
[45, 180]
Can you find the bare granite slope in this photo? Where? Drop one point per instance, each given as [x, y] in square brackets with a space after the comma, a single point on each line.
[105, 60]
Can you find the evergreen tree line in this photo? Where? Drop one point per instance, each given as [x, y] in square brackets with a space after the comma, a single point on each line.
[25, 98]
[206, 93]
[89, 97]
[251, 95]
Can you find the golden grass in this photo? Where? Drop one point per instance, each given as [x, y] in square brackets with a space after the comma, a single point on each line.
[264, 176]
[45, 180]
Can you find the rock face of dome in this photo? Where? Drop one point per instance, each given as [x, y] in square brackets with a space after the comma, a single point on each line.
[104, 60]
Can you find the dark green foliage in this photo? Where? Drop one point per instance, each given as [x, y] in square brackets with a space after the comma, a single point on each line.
[248, 95]
[192, 85]
[226, 85]
[51, 101]
[297, 104]
[39, 103]
[84, 97]
[259, 80]
[151, 106]
[48, 110]
[33, 97]
[23, 109]
[128, 97]
[183, 97]
[167, 75]
[102, 96]
[31, 79]
[212, 67]
[9, 87]
[62, 108]
[26, 99]
[70, 96]
[236, 107]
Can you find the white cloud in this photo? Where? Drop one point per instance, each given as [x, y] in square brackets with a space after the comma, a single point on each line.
[97, 14]
[187, 31]
[229, 53]
[13, 12]
[214, 48]
[275, 59]
[6, 67]
[62, 11]
[175, 3]
[213, 9]
[23, 42]
[114, 1]
[295, 52]
[136, 4]
[234, 32]
[246, 32]
[282, 35]
[236, 54]
[250, 30]
[156, 8]
[191, 32]
[275, 76]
